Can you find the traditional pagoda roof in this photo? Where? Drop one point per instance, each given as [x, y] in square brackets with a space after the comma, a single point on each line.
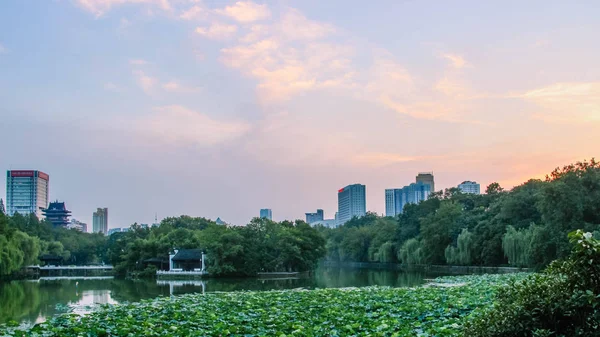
[188, 255]
[57, 214]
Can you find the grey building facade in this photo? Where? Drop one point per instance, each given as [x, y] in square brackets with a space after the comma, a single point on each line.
[100, 221]
[314, 217]
[266, 213]
[352, 201]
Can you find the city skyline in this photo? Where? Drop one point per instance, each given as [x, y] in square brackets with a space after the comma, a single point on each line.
[219, 108]
[100, 217]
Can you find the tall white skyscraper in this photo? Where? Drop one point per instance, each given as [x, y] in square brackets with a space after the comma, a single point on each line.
[26, 192]
[352, 201]
[266, 213]
[470, 187]
[100, 221]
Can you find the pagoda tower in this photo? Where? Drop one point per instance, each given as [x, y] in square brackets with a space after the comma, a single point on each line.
[57, 214]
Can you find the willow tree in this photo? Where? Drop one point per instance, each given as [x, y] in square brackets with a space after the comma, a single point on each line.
[516, 245]
[411, 252]
[462, 254]
[385, 253]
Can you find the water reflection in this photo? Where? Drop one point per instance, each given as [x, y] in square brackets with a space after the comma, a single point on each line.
[31, 302]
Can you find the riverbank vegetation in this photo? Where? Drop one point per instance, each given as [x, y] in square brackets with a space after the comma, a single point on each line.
[524, 227]
[261, 246]
[24, 238]
[564, 300]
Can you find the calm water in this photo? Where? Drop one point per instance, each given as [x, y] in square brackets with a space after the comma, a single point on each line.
[31, 302]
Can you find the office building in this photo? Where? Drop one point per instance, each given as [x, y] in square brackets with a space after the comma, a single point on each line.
[266, 213]
[331, 223]
[57, 214]
[470, 187]
[397, 198]
[393, 201]
[426, 178]
[118, 230]
[352, 201]
[26, 192]
[78, 225]
[314, 217]
[100, 221]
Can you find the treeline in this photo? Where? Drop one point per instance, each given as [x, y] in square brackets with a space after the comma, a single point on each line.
[260, 246]
[23, 239]
[525, 227]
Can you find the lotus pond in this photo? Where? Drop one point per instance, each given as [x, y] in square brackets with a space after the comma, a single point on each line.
[371, 311]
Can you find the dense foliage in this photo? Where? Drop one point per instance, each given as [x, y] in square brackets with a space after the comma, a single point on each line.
[371, 311]
[24, 238]
[524, 227]
[262, 245]
[564, 300]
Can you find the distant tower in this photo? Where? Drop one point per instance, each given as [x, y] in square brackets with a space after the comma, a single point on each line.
[100, 221]
[352, 201]
[57, 214]
[2, 210]
[266, 213]
[426, 178]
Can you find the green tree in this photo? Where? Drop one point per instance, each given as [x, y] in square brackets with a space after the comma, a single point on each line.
[516, 245]
[462, 254]
[411, 252]
[438, 230]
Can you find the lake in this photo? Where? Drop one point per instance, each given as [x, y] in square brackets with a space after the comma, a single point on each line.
[33, 301]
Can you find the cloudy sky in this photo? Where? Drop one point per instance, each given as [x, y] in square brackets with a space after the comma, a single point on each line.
[219, 108]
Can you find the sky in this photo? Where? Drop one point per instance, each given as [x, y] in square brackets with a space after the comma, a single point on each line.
[219, 108]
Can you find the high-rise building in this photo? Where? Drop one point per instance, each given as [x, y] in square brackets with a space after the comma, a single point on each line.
[352, 201]
[57, 214]
[78, 225]
[471, 187]
[426, 178]
[393, 201]
[100, 221]
[331, 223]
[397, 198]
[266, 213]
[26, 192]
[314, 217]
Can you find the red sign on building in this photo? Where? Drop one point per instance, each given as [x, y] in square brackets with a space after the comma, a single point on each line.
[43, 175]
[341, 190]
[21, 173]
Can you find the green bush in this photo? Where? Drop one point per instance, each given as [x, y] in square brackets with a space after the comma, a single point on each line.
[564, 300]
